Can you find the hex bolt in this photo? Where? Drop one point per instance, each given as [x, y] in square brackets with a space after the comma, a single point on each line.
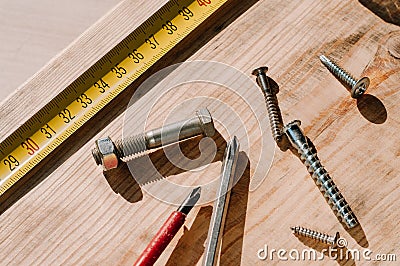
[321, 177]
[274, 113]
[321, 237]
[356, 87]
[108, 153]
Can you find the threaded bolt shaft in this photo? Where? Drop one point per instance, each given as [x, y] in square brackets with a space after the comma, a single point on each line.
[274, 114]
[321, 177]
[130, 146]
[108, 153]
[321, 237]
[357, 87]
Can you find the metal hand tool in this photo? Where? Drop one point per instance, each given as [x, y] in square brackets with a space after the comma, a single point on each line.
[221, 204]
[167, 232]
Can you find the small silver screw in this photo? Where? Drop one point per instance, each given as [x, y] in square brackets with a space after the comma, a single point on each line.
[321, 237]
[274, 113]
[357, 87]
[321, 177]
[108, 153]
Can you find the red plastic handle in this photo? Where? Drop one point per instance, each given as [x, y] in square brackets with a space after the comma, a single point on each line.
[161, 240]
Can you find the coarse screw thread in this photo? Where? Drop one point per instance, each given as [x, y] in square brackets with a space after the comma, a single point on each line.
[357, 87]
[321, 237]
[319, 174]
[274, 114]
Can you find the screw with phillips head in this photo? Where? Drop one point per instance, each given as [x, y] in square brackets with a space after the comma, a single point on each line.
[274, 113]
[357, 87]
[321, 177]
[108, 153]
[321, 237]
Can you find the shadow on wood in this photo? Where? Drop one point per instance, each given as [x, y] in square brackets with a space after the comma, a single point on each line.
[190, 246]
[122, 182]
[160, 163]
[388, 10]
[358, 234]
[182, 51]
[372, 109]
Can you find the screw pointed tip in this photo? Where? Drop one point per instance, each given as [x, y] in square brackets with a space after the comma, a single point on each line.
[323, 58]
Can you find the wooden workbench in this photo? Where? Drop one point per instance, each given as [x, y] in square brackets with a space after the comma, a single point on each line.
[68, 212]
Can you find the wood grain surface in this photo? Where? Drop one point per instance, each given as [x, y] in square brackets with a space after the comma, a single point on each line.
[67, 212]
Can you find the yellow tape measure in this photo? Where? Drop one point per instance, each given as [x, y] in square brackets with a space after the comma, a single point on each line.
[80, 101]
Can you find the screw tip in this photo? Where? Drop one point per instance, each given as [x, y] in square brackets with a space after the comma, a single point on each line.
[323, 59]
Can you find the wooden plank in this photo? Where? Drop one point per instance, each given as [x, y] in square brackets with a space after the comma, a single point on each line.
[78, 216]
[34, 32]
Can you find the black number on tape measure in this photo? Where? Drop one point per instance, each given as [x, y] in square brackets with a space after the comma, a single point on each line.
[30, 145]
[101, 85]
[186, 13]
[84, 100]
[136, 56]
[203, 2]
[11, 162]
[47, 131]
[169, 27]
[152, 41]
[66, 115]
[119, 71]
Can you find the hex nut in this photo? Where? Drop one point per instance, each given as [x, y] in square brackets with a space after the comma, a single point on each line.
[206, 122]
[107, 152]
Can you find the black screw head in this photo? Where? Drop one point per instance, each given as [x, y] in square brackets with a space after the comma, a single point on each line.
[259, 70]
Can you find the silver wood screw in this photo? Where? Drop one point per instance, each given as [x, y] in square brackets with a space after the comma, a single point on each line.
[320, 175]
[321, 237]
[108, 153]
[274, 113]
[357, 87]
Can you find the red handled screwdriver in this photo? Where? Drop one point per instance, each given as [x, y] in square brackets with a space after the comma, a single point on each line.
[167, 232]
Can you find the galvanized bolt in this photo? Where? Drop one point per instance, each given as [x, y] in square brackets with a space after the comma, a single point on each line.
[321, 177]
[321, 237]
[108, 153]
[357, 87]
[274, 113]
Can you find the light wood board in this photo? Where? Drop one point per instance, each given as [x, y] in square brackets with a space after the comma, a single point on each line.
[75, 215]
[33, 32]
